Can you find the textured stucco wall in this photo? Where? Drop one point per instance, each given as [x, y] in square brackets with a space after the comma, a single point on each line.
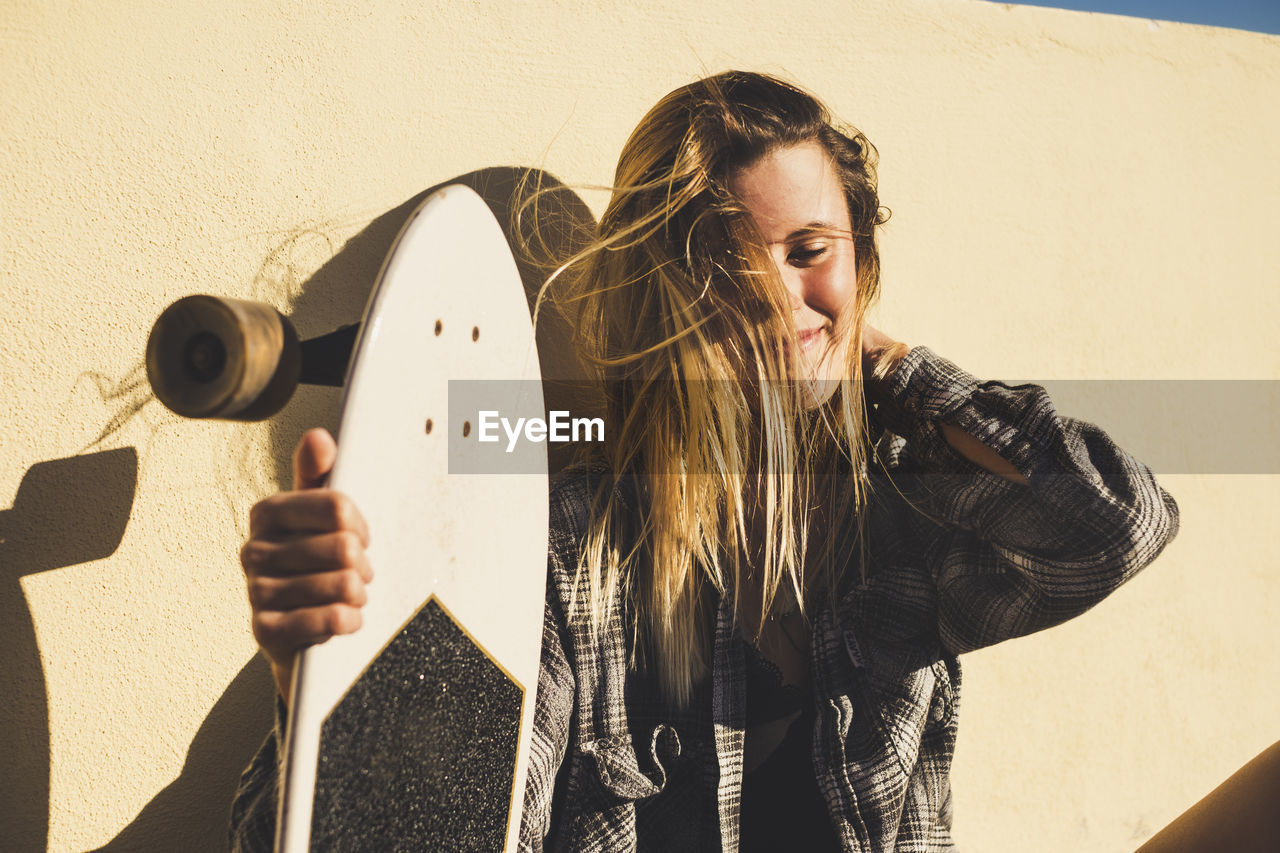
[1074, 196]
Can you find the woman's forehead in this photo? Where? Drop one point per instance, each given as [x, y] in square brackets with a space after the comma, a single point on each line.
[790, 190]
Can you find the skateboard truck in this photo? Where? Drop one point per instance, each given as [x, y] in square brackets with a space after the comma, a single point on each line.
[212, 357]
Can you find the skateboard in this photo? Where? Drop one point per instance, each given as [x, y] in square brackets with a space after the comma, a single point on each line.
[413, 732]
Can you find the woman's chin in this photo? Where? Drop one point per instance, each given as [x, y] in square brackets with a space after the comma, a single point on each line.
[818, 392]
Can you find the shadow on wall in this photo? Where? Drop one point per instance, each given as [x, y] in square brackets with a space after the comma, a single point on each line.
[191, 813]
[67, 511]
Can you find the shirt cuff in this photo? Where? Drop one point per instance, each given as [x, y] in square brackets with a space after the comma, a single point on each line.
[1017, 422]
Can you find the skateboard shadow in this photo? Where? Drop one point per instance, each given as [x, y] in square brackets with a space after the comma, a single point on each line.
[531, 206]
[191, 812]
[66, 512]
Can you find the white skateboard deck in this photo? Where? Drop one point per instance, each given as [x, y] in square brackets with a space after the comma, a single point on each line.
[413, 732]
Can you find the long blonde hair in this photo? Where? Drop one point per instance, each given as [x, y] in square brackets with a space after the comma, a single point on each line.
[679, 309]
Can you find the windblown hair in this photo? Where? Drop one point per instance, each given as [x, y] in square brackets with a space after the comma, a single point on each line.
[680, 310]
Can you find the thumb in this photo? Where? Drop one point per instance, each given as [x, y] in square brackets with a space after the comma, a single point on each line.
[313, 459]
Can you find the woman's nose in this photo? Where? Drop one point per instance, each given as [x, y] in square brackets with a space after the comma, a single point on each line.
[827, 294]
[794, 285]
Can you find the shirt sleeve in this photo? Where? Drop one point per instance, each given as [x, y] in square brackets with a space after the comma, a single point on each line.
[553, 709]
[253, 811]
[1009, 559]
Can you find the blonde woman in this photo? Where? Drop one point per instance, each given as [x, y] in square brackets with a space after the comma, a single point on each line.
[758, 589]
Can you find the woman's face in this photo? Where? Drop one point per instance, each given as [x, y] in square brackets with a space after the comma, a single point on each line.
[795, 198]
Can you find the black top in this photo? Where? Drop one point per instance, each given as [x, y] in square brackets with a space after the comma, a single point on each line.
[782, 808]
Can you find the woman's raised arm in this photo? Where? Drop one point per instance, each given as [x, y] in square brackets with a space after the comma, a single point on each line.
[1009, 559]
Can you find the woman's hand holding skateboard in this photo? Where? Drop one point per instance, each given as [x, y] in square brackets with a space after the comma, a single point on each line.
[304, 563]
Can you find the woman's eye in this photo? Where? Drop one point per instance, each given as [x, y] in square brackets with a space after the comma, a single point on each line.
[806, 254]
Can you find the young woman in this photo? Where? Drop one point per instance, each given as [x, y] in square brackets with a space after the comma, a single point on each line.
[758, 589]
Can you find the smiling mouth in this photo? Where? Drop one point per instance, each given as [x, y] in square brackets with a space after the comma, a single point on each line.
[809, 337]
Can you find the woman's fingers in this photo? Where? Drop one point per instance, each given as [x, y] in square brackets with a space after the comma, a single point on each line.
[311, 511]
[304, 589]
[344, 586]
[881, 355]
[313, 459]
[306, 554]
[281, 633]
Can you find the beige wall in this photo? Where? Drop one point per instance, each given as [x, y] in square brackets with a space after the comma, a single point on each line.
[1074, 196]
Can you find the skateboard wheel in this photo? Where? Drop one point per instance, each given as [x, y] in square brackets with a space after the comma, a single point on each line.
[209, 357]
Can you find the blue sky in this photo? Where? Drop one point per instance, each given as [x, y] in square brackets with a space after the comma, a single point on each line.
[1258, 15]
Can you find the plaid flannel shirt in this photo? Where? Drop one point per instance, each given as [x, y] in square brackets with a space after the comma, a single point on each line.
[960, 558]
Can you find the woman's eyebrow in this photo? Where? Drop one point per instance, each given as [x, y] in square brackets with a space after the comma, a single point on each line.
[815, 227]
